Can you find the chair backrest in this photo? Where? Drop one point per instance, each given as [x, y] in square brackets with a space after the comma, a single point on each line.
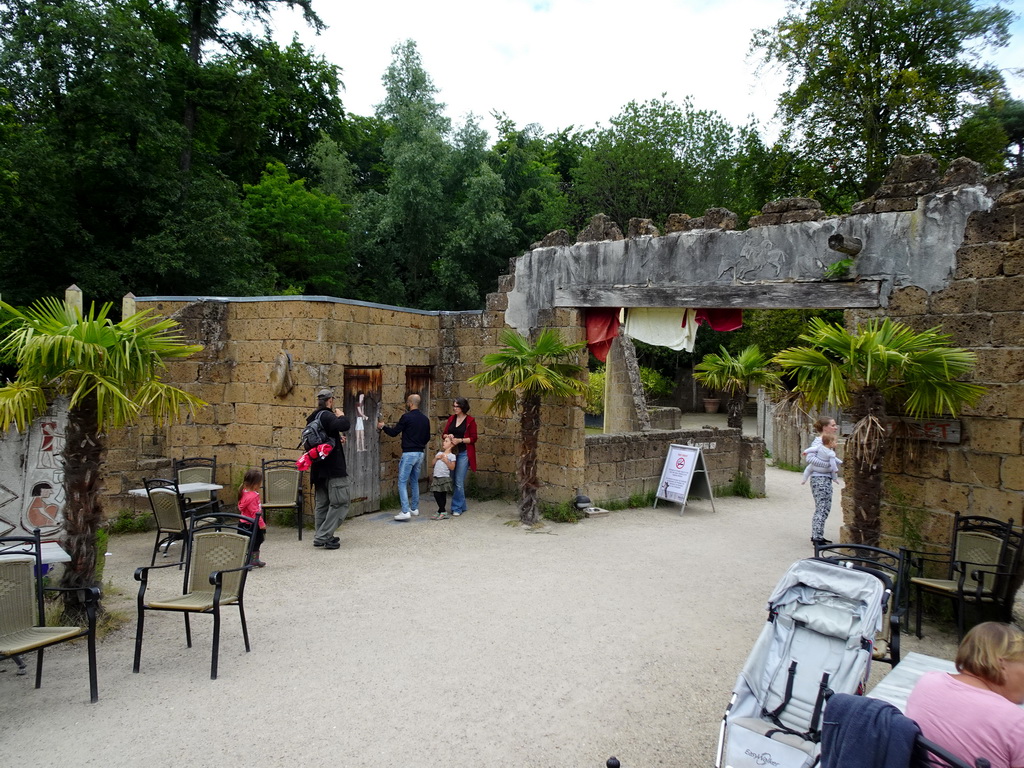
[21, 593]
[196, 469]
[166, 504]
[218, 541]
[280, 485]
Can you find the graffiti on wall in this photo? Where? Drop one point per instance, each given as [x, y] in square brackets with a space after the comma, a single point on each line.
[32, 491]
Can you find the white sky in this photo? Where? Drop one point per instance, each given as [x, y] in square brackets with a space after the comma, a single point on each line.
[567, 62]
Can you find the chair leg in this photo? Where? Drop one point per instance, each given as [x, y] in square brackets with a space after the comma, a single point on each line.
[917, 629]
[298, 519]
[156, 548]
[188, 630]
[216, 641]
[138, 638]
[39, 668]
[245, 629]
[961, 607]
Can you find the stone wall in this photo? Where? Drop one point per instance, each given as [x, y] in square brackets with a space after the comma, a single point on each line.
[619, 466]
[982, 308]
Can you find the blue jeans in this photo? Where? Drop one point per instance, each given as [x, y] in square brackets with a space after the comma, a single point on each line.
[409, 480]
[459, 482]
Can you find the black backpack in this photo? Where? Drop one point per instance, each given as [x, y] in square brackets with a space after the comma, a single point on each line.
[314, 434]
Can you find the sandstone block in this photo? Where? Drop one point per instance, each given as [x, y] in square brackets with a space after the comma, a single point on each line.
[962, 171]
[765, 220]
[1005, 365]
[788, 204]
[1011, 476]
[720, 218]
[640, 228]
[896, 205]
[905, 189]
[559, 237]
[948, 497]
[506, 282]
[677, 222]
[907, 168]
[1014, 197]
[999, 504]
[993, 435]
[959, 298]
[981, 260]
[908, 301]
[964, 330]
[600, 228]
[863, 206]
[1000, 224]
[793, 217]
[973, 468]
[1013, 263]
[1001, 294]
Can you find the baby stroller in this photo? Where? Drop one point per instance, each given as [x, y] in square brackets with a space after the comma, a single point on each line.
[822, 621]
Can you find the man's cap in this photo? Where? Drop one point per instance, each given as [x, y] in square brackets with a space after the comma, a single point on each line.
[324, 394]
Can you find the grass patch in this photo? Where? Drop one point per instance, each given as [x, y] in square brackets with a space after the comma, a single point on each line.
[130, 521]
[562, 513]
[740, 486]
[788, 467]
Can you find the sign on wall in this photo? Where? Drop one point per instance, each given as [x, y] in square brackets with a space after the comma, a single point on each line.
[684, 475]
[937, 430]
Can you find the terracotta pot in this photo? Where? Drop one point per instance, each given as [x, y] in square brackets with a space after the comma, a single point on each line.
[711, 404]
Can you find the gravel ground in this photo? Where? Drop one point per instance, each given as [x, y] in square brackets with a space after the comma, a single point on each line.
[463, 642]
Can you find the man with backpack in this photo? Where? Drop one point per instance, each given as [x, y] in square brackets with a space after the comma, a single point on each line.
[329, 475]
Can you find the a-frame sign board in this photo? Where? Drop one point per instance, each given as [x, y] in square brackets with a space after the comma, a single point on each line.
[684, 475]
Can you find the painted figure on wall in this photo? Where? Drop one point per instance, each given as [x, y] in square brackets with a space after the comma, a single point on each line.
[42, 513]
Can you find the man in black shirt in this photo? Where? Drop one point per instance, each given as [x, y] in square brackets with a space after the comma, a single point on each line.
[414, 427]
[329, 475]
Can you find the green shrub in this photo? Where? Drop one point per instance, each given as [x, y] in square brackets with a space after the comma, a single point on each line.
[130, 521]
[740, 486]
[655, 386]
[561, 513]
[102, 540]
[595, 393]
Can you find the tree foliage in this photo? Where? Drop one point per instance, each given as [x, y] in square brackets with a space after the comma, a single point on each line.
[883, 367]
[525, 375]
[868, 79]
[111, 373]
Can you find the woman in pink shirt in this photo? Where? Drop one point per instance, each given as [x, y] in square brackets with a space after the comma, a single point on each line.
[976, 712]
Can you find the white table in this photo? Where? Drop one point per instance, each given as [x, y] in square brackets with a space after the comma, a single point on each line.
[184, 489]
[895, 687]
[51, 551]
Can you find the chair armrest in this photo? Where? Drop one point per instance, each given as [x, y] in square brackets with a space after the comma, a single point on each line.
[977, 576]
[217, 577]
[90, 594]
[142, 573]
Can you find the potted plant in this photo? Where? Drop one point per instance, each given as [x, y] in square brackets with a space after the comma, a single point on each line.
[734, 375]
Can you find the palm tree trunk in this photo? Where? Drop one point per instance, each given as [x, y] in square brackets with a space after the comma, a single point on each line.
[83, 513]
[866, 455]
[529, 512]
[735, 406]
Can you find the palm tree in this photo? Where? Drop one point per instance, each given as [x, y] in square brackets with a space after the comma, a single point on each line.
[525, 374]
[110, 373]
[883, 364]
[734, 375]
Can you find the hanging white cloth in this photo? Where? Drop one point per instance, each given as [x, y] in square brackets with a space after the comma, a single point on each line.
[663, 327]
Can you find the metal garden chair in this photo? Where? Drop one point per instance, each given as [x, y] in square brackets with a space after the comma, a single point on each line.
[216, 565]
[22, 611]
[282, 488]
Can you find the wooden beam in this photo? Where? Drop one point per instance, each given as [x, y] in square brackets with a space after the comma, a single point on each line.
[863, 294]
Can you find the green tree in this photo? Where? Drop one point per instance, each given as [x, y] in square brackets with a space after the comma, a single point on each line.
[656, 158]
[735, 376]
[868, 79]
[301, 232]
[880, 368]
[111, 373]
[526, 374]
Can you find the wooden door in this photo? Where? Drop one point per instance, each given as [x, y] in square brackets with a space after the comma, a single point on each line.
[362, 447]
[418, 380]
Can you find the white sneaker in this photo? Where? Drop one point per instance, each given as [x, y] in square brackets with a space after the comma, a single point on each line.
[416, 513]
[402, 516]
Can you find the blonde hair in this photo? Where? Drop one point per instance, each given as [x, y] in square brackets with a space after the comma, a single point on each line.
[985, 645]
[829, 440]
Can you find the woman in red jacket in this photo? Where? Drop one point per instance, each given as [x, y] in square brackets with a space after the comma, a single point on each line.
[462, 427]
